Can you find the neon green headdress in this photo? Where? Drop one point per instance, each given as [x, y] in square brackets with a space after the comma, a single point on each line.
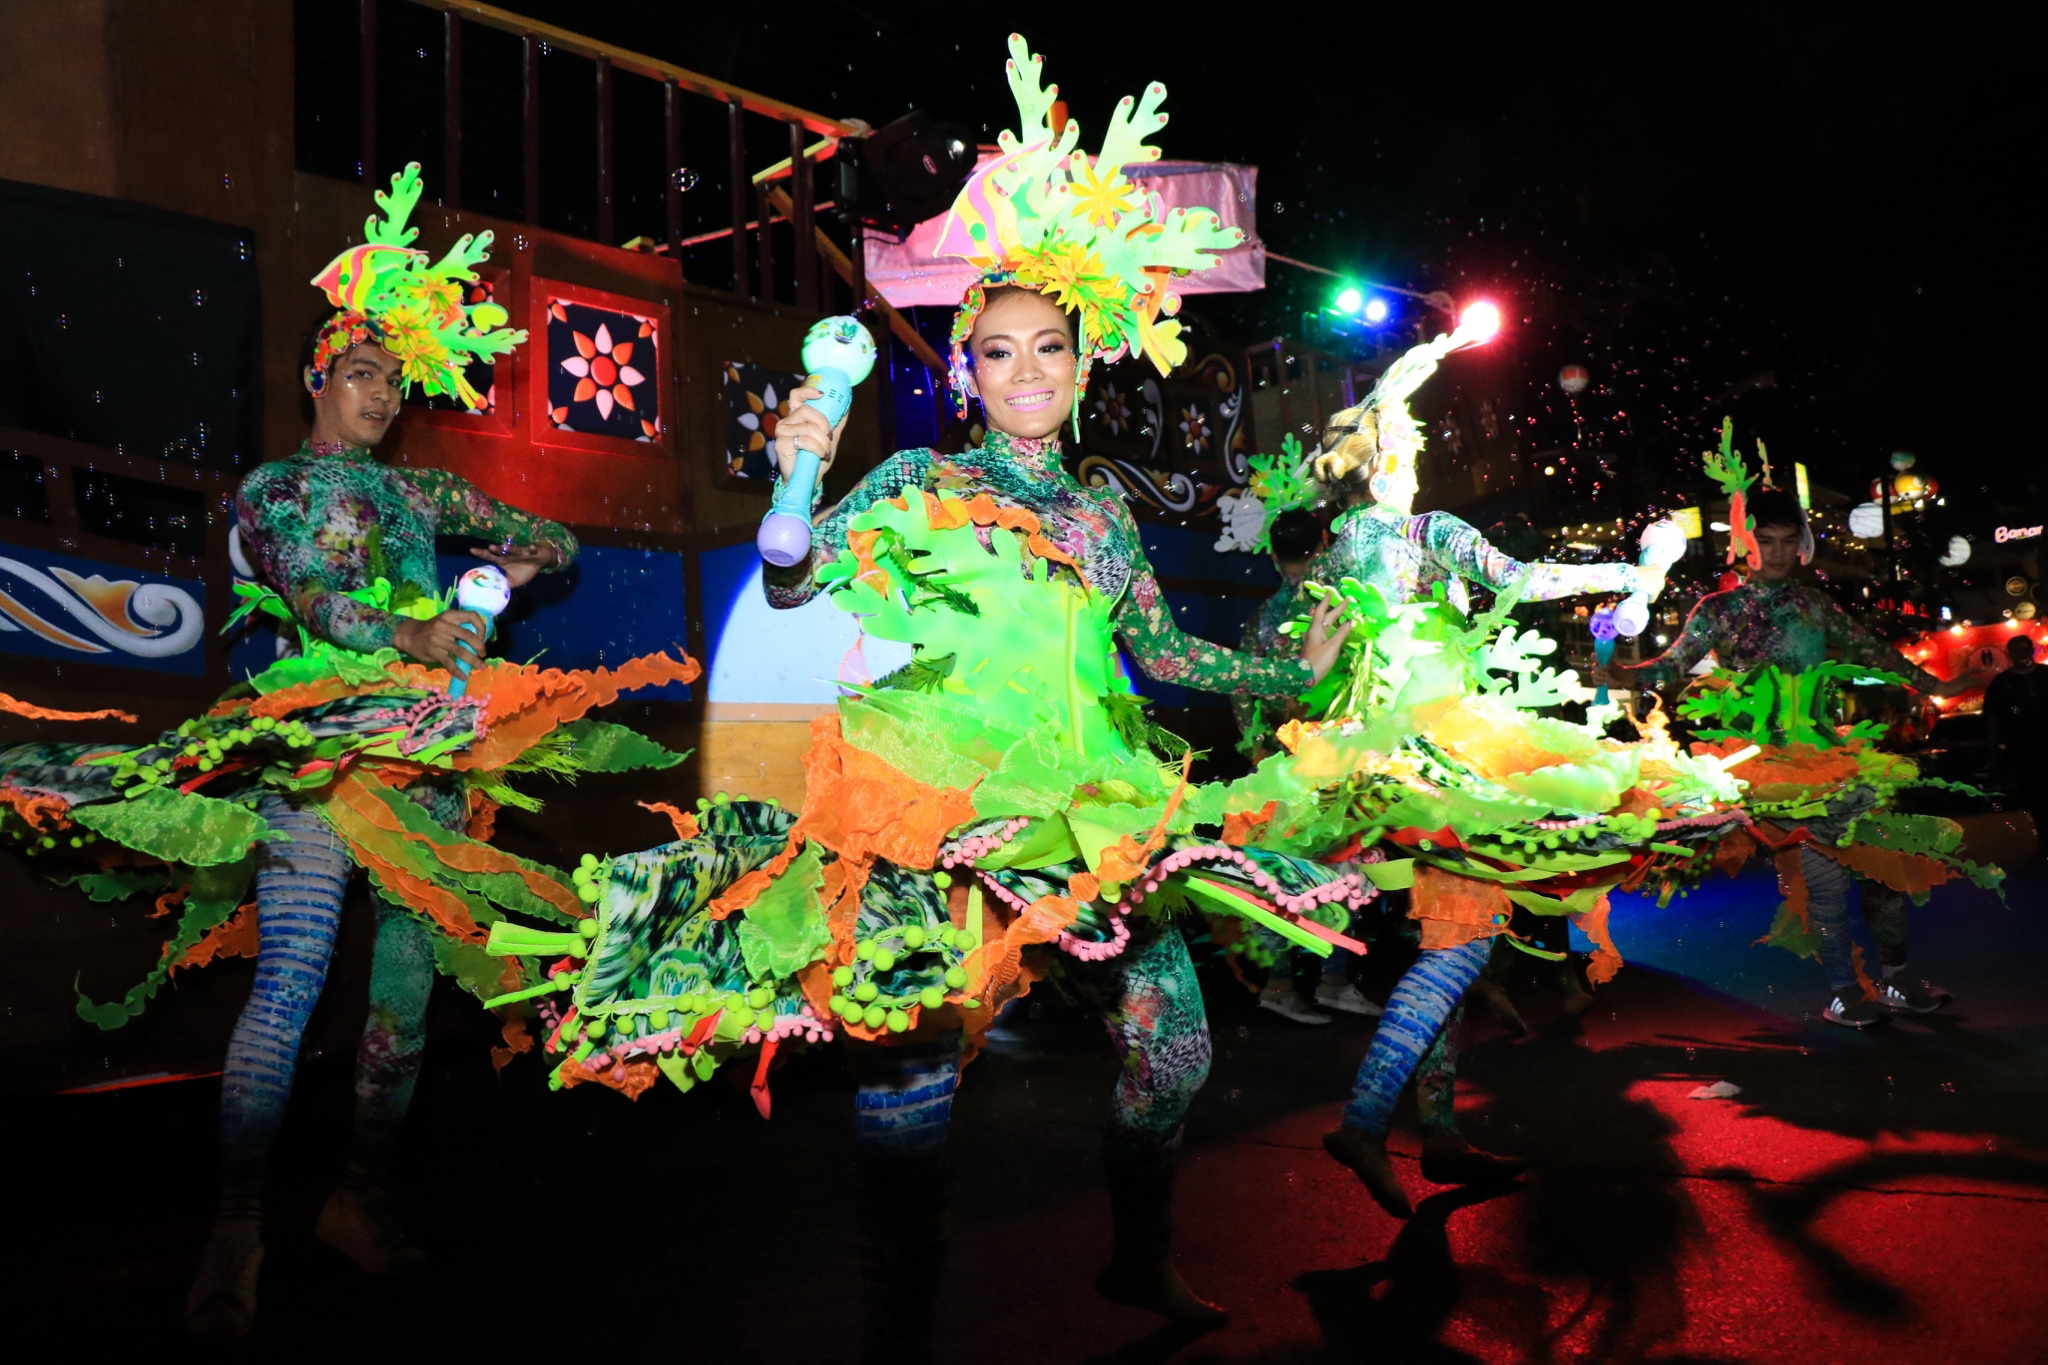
[1046, 216]
[388, 293]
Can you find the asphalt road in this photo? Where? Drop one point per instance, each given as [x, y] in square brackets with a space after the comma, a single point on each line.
[1863, 1198]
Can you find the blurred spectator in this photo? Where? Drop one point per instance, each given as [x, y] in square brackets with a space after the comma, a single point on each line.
[2016, 709]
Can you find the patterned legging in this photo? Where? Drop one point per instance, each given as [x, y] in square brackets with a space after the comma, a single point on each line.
[1152, 1005]
[299, 886]
[1413, 1028]
[1827, 909]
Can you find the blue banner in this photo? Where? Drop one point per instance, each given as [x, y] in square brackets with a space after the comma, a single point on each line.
[55, 606]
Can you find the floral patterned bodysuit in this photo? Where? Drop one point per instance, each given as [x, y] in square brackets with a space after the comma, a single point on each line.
[1793, 625]
[322, 523]
[1258, 717]
[1404, 555]
[1090, 524]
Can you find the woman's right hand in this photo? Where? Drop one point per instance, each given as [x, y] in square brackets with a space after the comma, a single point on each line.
[453, 640]
[1321, 646]
[805, 428]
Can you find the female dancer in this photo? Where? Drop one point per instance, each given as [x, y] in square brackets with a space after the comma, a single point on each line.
[997, 798]
[1370, 462]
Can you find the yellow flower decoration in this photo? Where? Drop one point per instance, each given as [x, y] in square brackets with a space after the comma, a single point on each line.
[1100, 199]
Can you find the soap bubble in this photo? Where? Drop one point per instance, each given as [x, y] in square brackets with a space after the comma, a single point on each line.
[686, 178]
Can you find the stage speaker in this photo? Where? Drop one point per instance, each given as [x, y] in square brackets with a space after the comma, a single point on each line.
[899, 175]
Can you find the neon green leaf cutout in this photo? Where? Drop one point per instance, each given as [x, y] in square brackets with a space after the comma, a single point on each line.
[784, 929]
[216, 892]
[178, 827]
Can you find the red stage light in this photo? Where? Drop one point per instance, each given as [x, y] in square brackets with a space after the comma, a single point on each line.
[1482, 320]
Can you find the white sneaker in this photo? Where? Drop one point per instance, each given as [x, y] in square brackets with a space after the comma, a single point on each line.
[1348, 999]
[1288, 1005]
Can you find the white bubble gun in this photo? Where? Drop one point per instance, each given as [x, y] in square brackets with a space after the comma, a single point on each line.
[838, 353]
[486, 591]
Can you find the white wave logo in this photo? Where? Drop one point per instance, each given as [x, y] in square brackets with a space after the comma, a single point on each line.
[148, 620]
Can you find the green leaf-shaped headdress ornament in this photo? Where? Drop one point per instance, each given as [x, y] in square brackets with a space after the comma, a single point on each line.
[1047, 216]
[411, 305]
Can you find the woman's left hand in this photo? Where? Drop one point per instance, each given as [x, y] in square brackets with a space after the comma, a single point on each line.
[520, 562]
[1319, 648]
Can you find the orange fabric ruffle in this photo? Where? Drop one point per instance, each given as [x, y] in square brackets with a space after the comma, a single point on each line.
[862, 808]
[234, 936]
[1777, 772]
[1453, 910]
[1126, 860]
[1911, 873]
[369, 826]
[34, 809]
[1244, 827]
[630, 1079]
[1606, 960]
[14, 706]
[685, 821]
[1792, 881]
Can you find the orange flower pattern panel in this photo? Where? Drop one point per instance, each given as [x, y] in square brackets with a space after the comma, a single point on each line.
[601, 364]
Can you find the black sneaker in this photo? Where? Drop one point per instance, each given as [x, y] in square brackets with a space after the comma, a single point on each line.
[1859, 1012]
[1905, 993]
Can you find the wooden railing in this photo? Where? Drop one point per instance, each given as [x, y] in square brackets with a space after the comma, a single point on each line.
[757, 201]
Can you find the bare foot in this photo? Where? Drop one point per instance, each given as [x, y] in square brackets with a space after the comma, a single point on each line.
[359, 1224]
[1367, 1157]
[223, 1298]
[1157, 1287]
[1495, 997]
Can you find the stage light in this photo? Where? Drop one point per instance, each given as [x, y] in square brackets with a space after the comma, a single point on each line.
[1481, 320]
[1350, 299]
[1375, 310]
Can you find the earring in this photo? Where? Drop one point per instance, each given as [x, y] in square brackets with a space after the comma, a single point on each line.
[316, 381]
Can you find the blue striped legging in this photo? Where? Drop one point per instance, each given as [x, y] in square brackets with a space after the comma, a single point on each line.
[1416, 1014]
[299, 886]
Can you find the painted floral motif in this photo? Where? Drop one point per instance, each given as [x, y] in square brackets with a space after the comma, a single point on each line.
[1244, 520]
[1194, 429]
[599, 363]
[756, 400]
[1114, 409]
[603, 370]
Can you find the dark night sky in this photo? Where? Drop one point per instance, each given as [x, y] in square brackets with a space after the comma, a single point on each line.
[1827, 195]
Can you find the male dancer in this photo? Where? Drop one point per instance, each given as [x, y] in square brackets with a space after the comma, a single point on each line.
[1295, 538]
[328, 520]
[1772, 619]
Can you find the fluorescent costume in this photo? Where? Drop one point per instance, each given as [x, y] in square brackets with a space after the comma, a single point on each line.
[344, 753]
[1430, 750]
[998, 804]
[1821, 794]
